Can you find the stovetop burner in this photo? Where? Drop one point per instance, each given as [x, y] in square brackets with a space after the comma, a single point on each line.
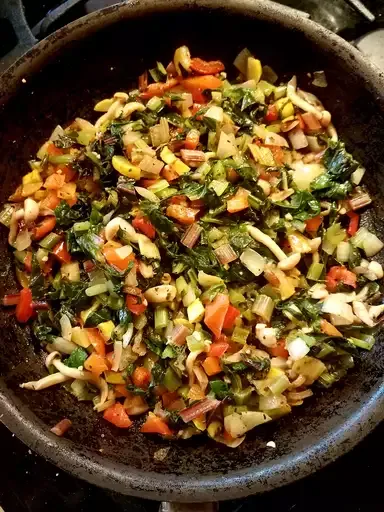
[28, 482]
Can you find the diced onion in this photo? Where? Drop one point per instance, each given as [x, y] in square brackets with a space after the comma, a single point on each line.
[57, 133]
[201, 377]
[66, 327]
[151, 165]
[297, 138]
[23, 240]
[117, 353]
[226, 146]
[269, 402]
[297, 348]
[275, 139]
[253, 261]
[128, 336]
[225, 254]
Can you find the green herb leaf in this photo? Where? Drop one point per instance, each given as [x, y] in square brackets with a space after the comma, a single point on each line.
[77, 358]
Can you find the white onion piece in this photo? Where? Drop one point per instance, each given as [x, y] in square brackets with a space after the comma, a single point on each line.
[297, 349]
[297, 138]
[117, 353]
[66, 327]
[128, 336]
[274, 139]
[304, 174]
[23, 240]
[57, 133]
[31, 210]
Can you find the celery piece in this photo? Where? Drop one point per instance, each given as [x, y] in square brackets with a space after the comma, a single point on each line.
[195, 342]
[279, 385]
[218, 171]
[240, 335]
[159, 186]
[242, 397]
[315, 271]
[171, 381]
[263, 307]
[235, 297]
[166, 192]
[195, 311]
[161, 317]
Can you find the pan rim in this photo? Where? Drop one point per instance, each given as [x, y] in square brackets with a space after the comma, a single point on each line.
[235, 484]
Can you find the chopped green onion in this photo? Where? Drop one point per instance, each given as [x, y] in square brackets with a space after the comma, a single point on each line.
[61, 159]
[366, 343]
[263, 307]
[81, 227]
[50, 241]
[155, 104]
[315, 271]
[254, 202]
[161, 318]
[97, 289]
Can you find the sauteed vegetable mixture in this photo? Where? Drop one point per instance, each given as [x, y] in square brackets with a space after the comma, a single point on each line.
[192, 260]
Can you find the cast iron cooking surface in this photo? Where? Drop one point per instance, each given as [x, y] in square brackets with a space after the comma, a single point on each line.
[74, 80]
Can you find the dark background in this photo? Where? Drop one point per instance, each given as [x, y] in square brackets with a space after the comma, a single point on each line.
[353, 483]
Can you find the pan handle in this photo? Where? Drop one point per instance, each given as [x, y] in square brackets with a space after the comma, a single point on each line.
[166, 506]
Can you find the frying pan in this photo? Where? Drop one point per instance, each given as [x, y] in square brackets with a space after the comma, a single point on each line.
[65, 75]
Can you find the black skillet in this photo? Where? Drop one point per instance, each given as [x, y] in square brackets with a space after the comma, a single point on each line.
[65, 75]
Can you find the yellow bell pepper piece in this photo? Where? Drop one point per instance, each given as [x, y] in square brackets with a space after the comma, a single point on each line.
[114, 377]
[123, 166]
[106, 329]
[180, 167]
[254, 69]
